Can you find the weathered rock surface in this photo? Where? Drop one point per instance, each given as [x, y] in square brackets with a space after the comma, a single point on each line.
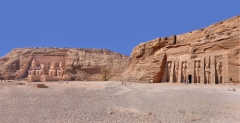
[82, 64]
[218, 42]
[209, 55]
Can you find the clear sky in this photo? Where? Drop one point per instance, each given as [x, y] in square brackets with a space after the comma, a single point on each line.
[117, 25]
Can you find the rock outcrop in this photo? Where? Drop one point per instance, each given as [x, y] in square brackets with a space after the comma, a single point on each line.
[216, 48]
[81, 64]
[209, 55]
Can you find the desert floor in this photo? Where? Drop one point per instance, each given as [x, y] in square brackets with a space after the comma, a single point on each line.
[111, 102]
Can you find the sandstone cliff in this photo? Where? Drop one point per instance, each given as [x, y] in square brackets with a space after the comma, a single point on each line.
[148, 60]
[82, 64]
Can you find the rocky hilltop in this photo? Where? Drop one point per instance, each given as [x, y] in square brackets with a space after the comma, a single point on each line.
[205, 55]
[81, 64]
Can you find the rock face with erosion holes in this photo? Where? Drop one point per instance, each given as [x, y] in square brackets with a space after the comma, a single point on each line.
[42, 64]
[208, 56]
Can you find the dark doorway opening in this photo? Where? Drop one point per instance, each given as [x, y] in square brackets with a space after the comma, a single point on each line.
[190, 78]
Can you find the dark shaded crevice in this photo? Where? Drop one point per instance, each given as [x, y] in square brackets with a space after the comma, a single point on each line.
[174, 39]
[158, 78]
[214, 46]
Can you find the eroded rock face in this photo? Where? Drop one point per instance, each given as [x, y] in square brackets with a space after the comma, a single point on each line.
[209, 55]
[82, 64]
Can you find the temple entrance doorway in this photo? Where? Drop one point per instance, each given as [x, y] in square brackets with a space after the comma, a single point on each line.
[190, 78]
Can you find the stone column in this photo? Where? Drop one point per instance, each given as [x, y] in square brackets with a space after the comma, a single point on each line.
[179, 79]
[213, 70]
[224, 69]
[176, 70]
[193, 71]
[172, 71]
[202, 71]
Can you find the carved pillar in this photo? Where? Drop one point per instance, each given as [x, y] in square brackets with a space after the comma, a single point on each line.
[175, 74]
[169, 65]
[179, 78]
[184, 70]
[172, 72]
[175, 71]
[197, 71]
[218, 71]
[193, 71]
[224, 69]
[213, 70]
[207, 70]
[202, 71]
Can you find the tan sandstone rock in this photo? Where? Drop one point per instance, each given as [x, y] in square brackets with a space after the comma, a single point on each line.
[209, 55]
[81, 64]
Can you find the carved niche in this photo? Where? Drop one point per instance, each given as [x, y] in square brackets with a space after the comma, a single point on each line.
[184, 71]
[36, 69]
[197, 71]
[176, 67]
[207, 72]
[169, 67]
[219, 72]
[219, 69]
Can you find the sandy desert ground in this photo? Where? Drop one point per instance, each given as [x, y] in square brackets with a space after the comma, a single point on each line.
[111, 102]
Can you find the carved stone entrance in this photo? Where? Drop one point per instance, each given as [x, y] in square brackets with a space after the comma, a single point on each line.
[190, 78]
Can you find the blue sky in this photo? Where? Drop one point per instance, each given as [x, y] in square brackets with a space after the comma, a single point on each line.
[117, 25]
